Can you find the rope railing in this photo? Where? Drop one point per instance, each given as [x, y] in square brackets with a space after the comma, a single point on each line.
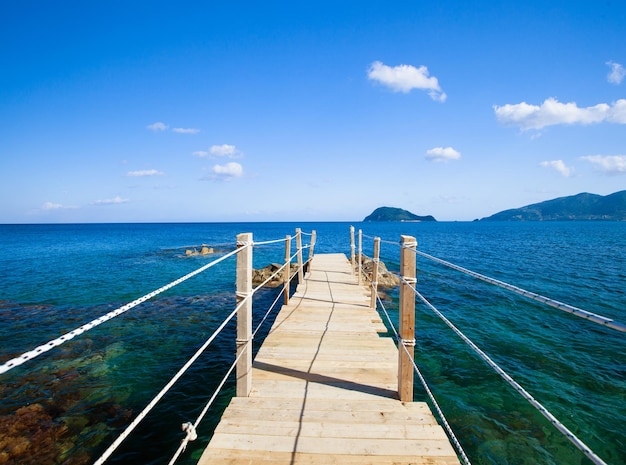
[26, 356]
[579, 312]
[594, 317]
[188, 427]
[410, 245]
[525, 394]
[43, 348]
[243, 301]
[433, 400]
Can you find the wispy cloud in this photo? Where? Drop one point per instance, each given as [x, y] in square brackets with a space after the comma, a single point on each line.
[558, 165]
[158, 126]
[441, 154]
[228, 171]
[404, 78]
[617, 73]
[142, 173]
[186, 130]
[47, 206]
[608, 164]
[224, 150]
[114, 201]
[551, 112]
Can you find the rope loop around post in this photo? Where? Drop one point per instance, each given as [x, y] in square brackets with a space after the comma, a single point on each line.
[406, 318]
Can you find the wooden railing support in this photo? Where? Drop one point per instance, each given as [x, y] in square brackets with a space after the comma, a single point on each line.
[352, 247]
[407, 319]
[360, 257]
[299, 250]
[375, 272]
[244, 314]
[287, 272]
[313, 239]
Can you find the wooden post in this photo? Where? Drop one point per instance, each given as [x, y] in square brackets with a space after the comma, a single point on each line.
[352, 247]
[299, 249]
[313, 238]
[287, 271]
[407, 319]
[244, 314]
[360, 256]
[375, 272]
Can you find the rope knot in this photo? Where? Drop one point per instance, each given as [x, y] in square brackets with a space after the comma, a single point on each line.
[190, 429]
[408, 342]
[244, 243]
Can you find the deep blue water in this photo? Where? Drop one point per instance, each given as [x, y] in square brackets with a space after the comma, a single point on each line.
[57, 277]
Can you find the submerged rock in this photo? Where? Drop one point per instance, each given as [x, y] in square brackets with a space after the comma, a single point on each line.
[260, 275]
[385, 278]
[204, 250]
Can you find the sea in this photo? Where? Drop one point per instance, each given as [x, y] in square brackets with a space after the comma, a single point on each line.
[68, 405]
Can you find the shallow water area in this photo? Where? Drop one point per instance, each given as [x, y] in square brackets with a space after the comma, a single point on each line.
[83, 393]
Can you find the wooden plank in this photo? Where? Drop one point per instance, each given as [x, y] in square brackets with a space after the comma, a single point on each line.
[324, 387]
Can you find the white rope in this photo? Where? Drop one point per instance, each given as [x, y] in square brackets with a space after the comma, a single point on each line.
[191, 429]
[274, 241]
[604, 321]
[190, 437]
[167, 387]
[446, 425]
[17, 361]
[562, 428]
[431, 396]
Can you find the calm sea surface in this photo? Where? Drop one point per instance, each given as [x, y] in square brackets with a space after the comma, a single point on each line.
[73, 401]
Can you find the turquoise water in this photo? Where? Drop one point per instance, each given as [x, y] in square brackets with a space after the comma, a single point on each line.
[79, 396]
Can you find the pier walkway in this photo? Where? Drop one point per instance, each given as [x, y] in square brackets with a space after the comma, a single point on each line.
[324, 387]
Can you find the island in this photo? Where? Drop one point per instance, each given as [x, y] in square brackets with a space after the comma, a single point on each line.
[580, 207]
[395, 214]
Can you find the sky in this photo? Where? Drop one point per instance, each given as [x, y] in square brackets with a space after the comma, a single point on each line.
[213, 111]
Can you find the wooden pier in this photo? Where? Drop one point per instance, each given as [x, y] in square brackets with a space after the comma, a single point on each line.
[324, 387]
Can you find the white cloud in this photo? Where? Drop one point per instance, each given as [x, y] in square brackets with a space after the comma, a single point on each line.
[142, 173]
[404, 78]
[558, 165]
[609, 164]
[617, 73]
[186, 130]
[113, 201]
[55, 206]
[228, 171]
[224, 150]
[158, 126]
[552, 112]
[441, 154]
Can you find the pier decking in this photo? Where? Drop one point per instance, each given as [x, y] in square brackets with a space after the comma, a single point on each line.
[324, 387]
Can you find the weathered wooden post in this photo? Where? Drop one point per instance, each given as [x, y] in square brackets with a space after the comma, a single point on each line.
[287, 272]
[375, 272]
[299, 249]
[352, 247]
[313, 238]
[407, 318]
[244, 314]
[360, 256]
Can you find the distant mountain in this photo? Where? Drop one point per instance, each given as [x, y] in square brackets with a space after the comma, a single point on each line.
[396, 214]
[573, 208]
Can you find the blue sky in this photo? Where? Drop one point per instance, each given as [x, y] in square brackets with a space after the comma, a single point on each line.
[291, 111]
